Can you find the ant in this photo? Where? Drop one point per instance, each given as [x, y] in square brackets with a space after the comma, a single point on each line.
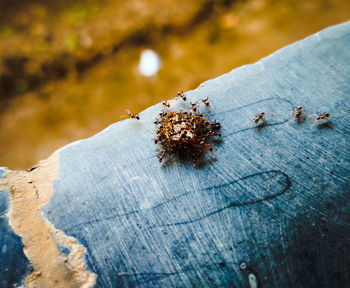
[299, 113]
[260, 120]
[185, 134]
[215, 125]
[206, 101]
[166, 104]
[162, 157]
[322, 116]
[181, 94]
[259, 117]
[133, 116]
[194, 106]
[208, 147]
[212, 133]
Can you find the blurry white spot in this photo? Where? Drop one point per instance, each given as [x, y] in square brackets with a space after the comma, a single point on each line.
[253, 282]
[85, 40]
[149, 63]
[243, 265]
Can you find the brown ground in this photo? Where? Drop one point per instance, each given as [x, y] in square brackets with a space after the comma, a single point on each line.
[68, 71]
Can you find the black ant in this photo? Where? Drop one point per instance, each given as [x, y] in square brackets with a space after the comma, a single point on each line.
[166, 104]
[182, 95]
[206, 101]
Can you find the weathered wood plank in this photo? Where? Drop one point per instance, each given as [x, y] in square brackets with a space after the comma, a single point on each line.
[271, 209]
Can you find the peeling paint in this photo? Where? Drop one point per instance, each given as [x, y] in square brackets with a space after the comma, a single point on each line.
[29, 191]
[14, 265]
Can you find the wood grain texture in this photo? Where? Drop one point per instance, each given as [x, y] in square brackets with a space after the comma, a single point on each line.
[270, 208]
[276, 199]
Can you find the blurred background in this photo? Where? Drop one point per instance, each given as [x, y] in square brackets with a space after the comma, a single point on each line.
[68, 69]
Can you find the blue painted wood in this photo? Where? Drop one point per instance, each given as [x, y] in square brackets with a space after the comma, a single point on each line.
[14, 265]
[272, 208]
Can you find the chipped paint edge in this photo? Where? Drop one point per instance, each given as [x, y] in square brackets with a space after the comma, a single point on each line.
[29, 192]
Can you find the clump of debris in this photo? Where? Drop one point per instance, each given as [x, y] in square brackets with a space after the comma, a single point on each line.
[186, 135]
